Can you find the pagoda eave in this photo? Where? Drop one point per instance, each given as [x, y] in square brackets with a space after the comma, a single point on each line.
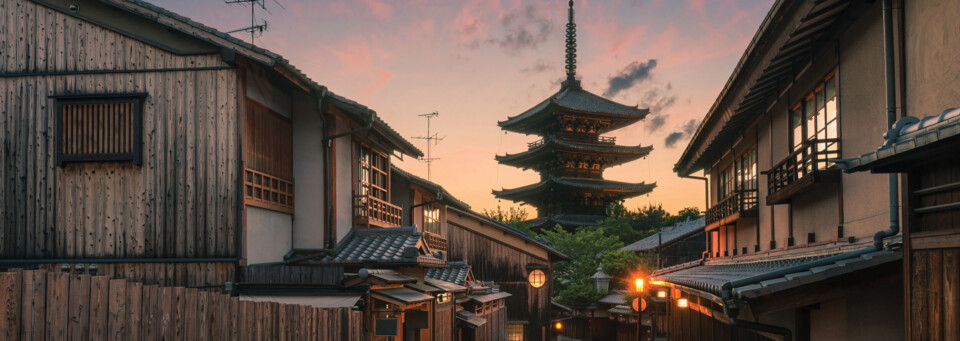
[575, 101]
[615, 154]
[532, 192]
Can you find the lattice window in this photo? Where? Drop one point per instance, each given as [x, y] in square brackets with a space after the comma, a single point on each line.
[514, 332]
[431, 218]
[99, 128]
[814, 120]
[268, 159]
[372, 173]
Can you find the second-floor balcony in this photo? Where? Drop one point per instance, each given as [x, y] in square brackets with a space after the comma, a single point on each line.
[610, 140]
[802, 170]
[371, 211]
[740, 204]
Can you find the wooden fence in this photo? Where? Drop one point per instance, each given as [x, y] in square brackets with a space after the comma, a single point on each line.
[40, 305]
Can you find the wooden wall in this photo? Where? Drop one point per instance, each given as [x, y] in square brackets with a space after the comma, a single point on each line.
[182, 202]
[443, 325]
[506, 266]
[496, 326]
[38, 305]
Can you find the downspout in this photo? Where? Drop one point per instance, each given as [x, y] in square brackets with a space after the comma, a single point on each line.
[891, 120]
[328, 171]
[439, 199]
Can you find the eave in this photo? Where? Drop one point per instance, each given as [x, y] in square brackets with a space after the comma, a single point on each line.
[573, 100]
[781, 50]
[615, 153]
[568, 185]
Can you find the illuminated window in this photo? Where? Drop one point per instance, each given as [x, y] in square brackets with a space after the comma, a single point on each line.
[431, 218]
[372, 173]
[537, 278]
[514, 332]
[813, 121]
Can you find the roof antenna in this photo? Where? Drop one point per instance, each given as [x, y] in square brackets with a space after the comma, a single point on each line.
[254, 29]
[571, 56]
[432, 139]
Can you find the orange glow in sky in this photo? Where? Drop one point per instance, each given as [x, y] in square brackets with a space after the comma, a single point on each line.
[477, 62]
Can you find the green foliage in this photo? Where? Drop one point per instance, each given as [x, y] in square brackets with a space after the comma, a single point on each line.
[513, 217]
[588, 248]
[631, 226]
[619, 263]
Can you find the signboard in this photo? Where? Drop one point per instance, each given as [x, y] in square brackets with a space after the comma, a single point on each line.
[387, 327]
[639, 304]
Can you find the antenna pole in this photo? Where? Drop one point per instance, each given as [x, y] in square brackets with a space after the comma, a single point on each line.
[432, 139]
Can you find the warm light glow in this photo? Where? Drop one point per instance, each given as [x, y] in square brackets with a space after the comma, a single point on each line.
[656, 282]
[639, 285]
[558, 326]
[682, 303]
[537, 278]
[661, 294]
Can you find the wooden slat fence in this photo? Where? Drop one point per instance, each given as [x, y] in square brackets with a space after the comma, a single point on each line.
[40, 305]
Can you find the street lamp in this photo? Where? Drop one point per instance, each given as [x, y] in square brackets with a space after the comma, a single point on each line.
[639, 284]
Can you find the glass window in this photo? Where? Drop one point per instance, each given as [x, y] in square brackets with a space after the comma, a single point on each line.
[372, 173]
[514, 332]
[431, 218]
[814, 122]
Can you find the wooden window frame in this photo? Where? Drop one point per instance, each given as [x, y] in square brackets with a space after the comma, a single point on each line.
[809, 134]
[359, 183]
[261, 188]
[435, 220]
[135, 156]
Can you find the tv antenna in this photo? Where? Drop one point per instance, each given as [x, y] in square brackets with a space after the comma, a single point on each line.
[432, 139]
[254, 29]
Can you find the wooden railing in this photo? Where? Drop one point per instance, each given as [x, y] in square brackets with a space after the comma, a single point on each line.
[373, 211]
[739, 202]
[536, 143]
[267, 191]
[802, 166]
[435, 242]
[606, 139]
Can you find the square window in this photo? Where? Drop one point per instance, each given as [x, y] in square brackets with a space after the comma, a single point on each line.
[99, 128]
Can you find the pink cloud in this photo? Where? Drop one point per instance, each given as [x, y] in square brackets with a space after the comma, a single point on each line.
[339, 8]
[695, 5]
[360, 60]
[380, 9]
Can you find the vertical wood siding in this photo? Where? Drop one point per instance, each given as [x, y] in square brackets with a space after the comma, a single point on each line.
[181, 202]
[493, 261]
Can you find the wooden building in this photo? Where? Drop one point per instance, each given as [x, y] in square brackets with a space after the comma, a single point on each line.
[795, 246]
[683, 242]
[572, 154]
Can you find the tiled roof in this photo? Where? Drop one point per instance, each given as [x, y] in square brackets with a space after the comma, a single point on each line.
[623, 310]
[405, 295]
[380, 246]
[788, 272]
[910, 136]
[668, 235]
[614, 298]
[447, 197]
[446, 286]
[566, 220]
[619, 154]
[574, 98]
[627, 189]
[455, 272]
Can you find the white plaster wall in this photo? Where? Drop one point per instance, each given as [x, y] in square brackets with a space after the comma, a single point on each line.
[269, 235]
[261, 90]
[308, 172]
[344, 164]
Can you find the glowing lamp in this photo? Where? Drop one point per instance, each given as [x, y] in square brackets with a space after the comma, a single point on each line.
[639, 285]
[682, 303]
[661, 294]
[537, 278]
[656, 282]
[558, 325]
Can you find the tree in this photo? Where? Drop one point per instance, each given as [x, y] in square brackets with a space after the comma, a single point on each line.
[513, 217]
[588, 249]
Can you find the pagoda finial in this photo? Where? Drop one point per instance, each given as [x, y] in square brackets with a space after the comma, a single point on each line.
[571, 56]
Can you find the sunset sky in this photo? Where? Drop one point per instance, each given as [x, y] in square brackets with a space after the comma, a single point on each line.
[479, 61]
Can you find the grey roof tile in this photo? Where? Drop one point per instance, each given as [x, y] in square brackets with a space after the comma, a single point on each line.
[455, 272]
[378, 245]
[909, 133]
[575, 98]
[668, 235]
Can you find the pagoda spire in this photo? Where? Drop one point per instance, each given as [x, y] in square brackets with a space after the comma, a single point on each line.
[571, 56]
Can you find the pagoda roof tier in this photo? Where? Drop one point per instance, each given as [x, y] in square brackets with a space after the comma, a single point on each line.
[572, 99]
[615, 154]
[565, 220]
[530, 192]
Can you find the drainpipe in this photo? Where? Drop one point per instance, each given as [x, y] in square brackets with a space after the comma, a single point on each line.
[328, 171]
[706, 206]
[891, 120]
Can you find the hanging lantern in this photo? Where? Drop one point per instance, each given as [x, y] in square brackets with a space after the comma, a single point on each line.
[537, 278]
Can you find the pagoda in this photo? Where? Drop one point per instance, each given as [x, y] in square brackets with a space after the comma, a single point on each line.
[572, 154]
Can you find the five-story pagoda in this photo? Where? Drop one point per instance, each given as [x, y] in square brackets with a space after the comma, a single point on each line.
[572, 154]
